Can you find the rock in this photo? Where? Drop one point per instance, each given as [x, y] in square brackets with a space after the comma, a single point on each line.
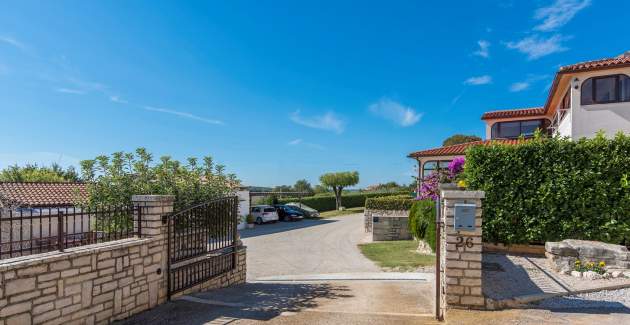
[566, 271]
[576, 274]
[424, 248]
[616, 274]
[563, 254]
[590, 275]
[626, 274]
[560, 248]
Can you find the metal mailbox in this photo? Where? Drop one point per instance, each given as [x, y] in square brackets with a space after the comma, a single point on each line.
[465, 216]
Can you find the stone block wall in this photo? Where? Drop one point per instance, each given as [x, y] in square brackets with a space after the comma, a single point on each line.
[387, 224]
[97, 284]
[461, 254]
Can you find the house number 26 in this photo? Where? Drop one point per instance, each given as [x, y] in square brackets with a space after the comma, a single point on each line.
[461, 243]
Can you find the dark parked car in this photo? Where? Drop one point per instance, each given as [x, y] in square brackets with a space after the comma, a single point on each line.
[288, 213]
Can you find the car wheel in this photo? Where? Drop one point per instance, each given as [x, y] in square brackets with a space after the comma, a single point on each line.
[259, 221]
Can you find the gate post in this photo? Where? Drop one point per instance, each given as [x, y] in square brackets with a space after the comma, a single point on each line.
[461, 283]
[153, 210]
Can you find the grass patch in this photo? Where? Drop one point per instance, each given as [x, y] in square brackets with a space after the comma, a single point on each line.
[337, 213]
[396, 254]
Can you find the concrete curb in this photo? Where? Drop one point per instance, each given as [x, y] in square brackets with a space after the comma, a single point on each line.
[522, 301]
[379, 276]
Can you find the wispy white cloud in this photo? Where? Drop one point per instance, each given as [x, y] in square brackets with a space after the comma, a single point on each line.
[182, 114]
[13, 42]
[457, 98]
[42, 158]
[295, 142]
[558, 14]
[525, 84]
[70, 91]
[477, 81]
[118, 99]
[395, 111]
[519, 86]
[329, 121]
[536, 46]
[484, 49]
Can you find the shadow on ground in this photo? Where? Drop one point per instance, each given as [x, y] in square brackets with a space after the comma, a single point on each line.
[272, 228]
[250, 301]
[509, 276]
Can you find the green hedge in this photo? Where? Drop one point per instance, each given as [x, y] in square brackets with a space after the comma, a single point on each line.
[554, 189]
[327, 203]
[394, 202]
[422, 221]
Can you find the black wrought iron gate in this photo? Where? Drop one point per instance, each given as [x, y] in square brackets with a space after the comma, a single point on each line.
[202, 243]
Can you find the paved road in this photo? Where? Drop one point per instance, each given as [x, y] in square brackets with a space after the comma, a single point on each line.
[306, 272]
[336, 302]
[306, 247]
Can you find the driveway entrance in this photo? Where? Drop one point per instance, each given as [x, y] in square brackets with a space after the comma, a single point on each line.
[307, 272]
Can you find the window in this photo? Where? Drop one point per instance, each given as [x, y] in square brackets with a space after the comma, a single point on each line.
[256, 210]
[269, 210]
[432, 166]
[515, 129]
[608, 89]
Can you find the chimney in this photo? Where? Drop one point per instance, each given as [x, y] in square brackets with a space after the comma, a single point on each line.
[625, 54]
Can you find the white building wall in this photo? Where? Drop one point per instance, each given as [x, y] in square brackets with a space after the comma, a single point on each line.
[565, 126]
[587, 120]
[243, 207]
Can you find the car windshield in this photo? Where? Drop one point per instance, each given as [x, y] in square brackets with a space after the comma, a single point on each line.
[270, 210]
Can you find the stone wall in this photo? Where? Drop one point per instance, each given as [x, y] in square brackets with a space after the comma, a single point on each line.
[461, 251]
[387, 224]
[100, 283]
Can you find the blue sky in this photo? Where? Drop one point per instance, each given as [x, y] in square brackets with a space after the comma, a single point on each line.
[280, 90]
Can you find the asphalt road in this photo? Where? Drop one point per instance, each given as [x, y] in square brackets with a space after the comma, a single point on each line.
[306, 247]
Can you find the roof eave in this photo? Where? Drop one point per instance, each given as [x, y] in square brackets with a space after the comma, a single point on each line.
[556, 79]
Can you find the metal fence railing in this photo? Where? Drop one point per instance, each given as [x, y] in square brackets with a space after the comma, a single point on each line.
[27, 231]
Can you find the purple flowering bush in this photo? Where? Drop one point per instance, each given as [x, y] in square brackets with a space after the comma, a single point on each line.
[429, 186]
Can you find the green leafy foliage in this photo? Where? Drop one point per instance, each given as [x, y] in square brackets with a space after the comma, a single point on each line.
[553, 189]
[338, 181]
[34, 173]
[113, 180]
[394, 202]
[422, 221]
[324, 202]
[459, 138]
[303, 185]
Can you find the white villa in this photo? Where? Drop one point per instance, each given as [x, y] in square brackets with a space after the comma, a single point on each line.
[584, 98]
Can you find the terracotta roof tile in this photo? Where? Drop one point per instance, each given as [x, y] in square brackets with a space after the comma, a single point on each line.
[519, 112]
[41, 194]
[460, 149]
[622, 60]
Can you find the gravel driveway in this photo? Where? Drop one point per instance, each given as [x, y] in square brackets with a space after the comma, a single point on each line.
[306, 247]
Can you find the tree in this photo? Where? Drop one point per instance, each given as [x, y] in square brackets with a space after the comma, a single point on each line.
[337, 182]
[303, 185]
[34, 173]
[114, 179]
[283, 188]
[459, 138]
[320, 189]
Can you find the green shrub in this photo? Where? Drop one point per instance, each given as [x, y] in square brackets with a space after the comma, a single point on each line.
[422, 221]
[393, 202]
[554, 189]
[327, 202]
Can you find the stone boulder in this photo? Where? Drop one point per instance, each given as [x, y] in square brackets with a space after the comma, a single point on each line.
[562, 255]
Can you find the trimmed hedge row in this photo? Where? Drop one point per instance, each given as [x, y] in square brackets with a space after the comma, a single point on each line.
[554, 189]
[394, 202]
[327, 203]
[422, 221]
